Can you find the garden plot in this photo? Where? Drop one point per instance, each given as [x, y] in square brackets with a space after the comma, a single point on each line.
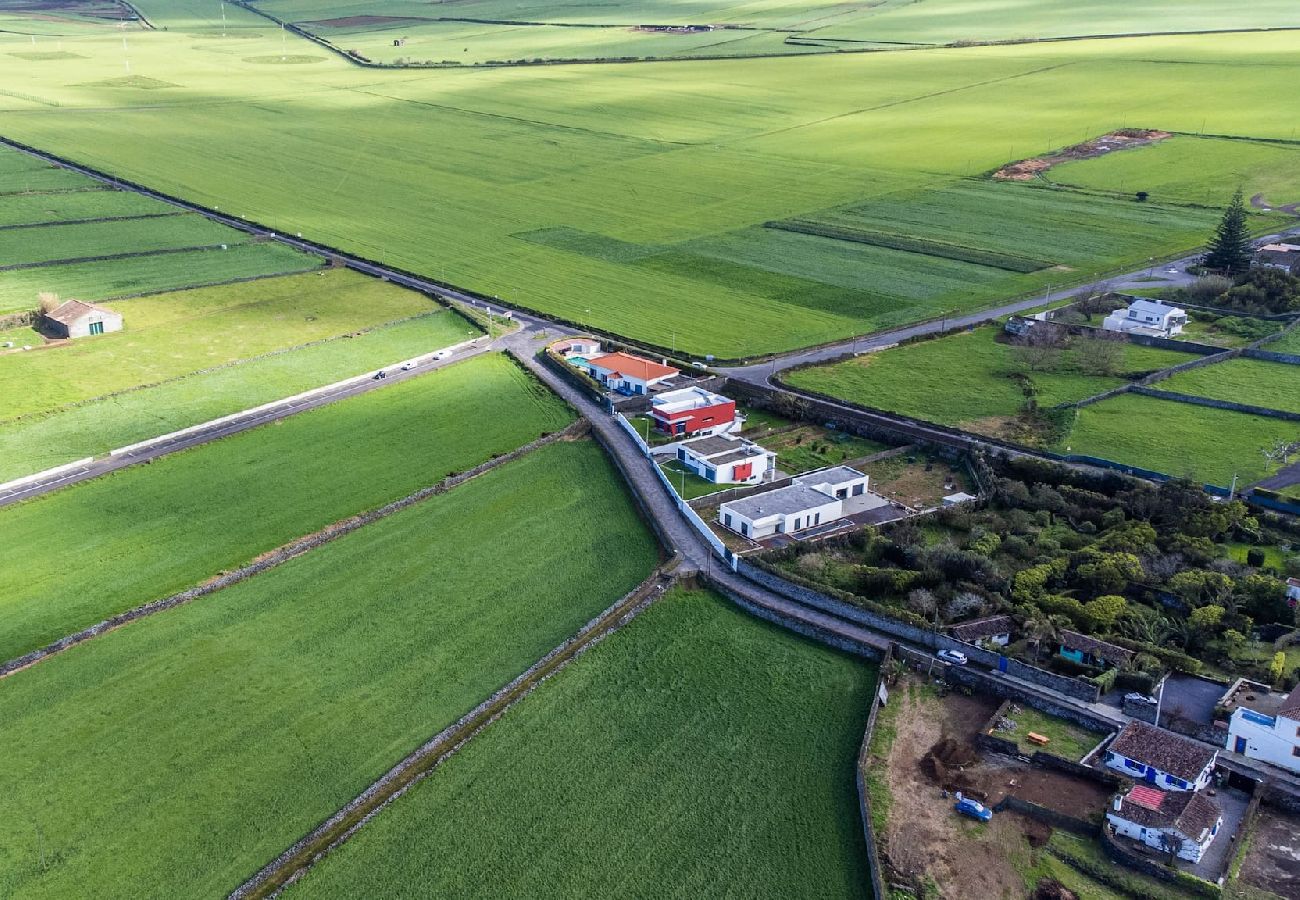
[145, 532]
[698, 752]
[258, 711]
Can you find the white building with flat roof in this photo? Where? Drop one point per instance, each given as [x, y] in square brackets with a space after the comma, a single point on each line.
[816, 498]
[1272, 738]
[1148, 317]
[724, 459]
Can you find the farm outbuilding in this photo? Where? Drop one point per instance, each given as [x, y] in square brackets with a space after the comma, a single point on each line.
[74, 319]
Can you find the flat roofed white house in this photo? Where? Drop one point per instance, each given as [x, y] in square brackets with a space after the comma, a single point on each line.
[694, 411]
[814, 499]
[723, 459]
[578, 348]
[74, 319]
[1147, 317]
[1272, 738]
[1182, 822]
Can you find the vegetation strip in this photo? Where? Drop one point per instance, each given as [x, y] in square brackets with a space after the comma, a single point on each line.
[106, 257]
[284, 554]
[89, 221]
[974, 255]
[298, 859]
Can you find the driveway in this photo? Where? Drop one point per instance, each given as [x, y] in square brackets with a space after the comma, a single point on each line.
[1233, 803]
[1191, 697]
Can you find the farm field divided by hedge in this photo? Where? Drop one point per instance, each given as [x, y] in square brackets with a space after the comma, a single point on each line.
[188, 749]
[639, 209]
[695, 752]
[145, 532]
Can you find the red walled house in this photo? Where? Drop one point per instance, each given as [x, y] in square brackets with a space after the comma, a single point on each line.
[694, 411]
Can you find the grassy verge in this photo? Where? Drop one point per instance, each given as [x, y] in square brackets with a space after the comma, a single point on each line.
[199, 743]
[38, 442]
[75, 556]
[687, 484]
[698, 752]
[1064, 739]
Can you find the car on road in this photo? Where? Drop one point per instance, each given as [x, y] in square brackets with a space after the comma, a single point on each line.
[378, 375]
[956, 657]
[406, 367]
[973, 808]
[442, 354]
[1138, 697]
[1171, 271]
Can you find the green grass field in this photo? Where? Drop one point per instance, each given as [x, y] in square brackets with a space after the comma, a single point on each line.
[166, 336]
[43, 209]
[731, 774]
[1208, 445]
[185, 751]
[1250, 381]
[1188, 169]
[40, 441]
[92, 239]
[1288, 343]
[656, 186]
[147, 531]
[967, 379]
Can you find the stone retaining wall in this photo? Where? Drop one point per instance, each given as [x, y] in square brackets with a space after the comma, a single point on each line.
[1217, 404]
[1048, 816]
[878, 887]
[1290, 359]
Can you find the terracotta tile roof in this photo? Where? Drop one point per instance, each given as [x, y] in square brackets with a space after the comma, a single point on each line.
[982, 628]
[71, 310]
[1114, 655]
[635, 366]
[1187, 812]
[1179, 756]
[1290, 704]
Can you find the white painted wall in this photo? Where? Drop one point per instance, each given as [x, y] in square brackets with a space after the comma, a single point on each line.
[1277, 744]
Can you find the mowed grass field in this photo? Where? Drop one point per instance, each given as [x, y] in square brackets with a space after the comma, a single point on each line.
[697, 753]
[1207, 445]
[187, 750]
[165, 336]
[1250, 381]
[639, 210]
[147, 531]
[40, 441]
[970, 379]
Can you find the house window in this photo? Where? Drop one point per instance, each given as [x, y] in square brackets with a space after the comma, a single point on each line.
[857, 490]
[798, 523]
[1295, 751]
[744, 528]
[681, 453]
[726, 519]
[96, 327]
[1135, 766]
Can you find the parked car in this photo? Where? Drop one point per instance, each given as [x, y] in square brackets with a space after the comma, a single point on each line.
[956, 657]
[406, 367]
[973, 808]
[380, 374]
[1137, 697]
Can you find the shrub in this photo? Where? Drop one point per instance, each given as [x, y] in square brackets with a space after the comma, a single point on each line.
[1135, 681]
[1255, 557]
[1106, 680]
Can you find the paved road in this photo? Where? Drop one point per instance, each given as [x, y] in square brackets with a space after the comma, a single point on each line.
[232, 426]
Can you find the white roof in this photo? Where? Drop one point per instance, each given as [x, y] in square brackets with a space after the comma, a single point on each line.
[959, 497]
[786, 501]
[686, 398]
[831, 475]
[1154, 308]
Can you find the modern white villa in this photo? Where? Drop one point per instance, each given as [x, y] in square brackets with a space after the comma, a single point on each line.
[1148, 317]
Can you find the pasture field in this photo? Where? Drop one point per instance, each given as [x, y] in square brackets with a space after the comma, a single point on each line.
[1250, 381]
[48, 243]
[40, 441]
[257, 712]
[633, 211]
[969, 379]
[165, 336]
[44, 209]
[112, 279]
[1207, 445]
[1189, 169]
[147, 531]
[1287, 343]
[730, 775]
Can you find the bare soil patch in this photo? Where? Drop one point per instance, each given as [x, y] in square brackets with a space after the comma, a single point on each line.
[1029, 169]
[1273, 859]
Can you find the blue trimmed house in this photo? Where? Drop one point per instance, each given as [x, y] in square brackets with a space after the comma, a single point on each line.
[1161, 758]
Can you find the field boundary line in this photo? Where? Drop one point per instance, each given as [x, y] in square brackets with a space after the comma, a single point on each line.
[109, 257]
[282, 554]
[91, 220]
[298, 860]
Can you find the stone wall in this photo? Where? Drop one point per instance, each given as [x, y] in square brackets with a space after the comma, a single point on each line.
[1217, 404]
[1115, 849]
[1049, 816]
[1290, 359]
[1210, 734]
[864, 797]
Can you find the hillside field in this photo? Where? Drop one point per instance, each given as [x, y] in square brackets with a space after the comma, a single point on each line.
[186, 750]
[144, 532]
[640, 209]
[1250, 381]
[699, 752]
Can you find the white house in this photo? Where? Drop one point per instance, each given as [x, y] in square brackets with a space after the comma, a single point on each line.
[814, 499]
[994, 630]
[1161, 758]
[627, 374]
[74, 319]
[724, 459]
[1181, 821]
[1147, 317]
[578, 349]
[1274, 739]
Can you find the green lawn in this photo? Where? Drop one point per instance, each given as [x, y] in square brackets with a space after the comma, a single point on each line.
[1065, 739]
[1250, 381]
[969, 379]
[687, 484]
[147, 531]
[657, 186]
[42, 209]
[697, 753]
[1288, 343]
[1209, 445]
[47, 243]
[36, 442]
[170, 335]
[185, 751]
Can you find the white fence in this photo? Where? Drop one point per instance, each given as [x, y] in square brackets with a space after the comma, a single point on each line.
[691, 515]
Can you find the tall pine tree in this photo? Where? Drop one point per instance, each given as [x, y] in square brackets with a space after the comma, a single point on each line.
[1229, 252]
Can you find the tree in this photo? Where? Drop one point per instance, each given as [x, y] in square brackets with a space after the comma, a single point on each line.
[1276, 667]
[1103, 354]
[1281, 452]
[1104, 611]
[1040, 629]
[1233, 641]
[1111, 572]
[47, 302]
[1172, 844]
[1040, 348]
[1206, 618]
[1229, 251]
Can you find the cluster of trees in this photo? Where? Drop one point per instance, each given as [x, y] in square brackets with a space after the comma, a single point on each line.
[1259, 291]
[1125, 561]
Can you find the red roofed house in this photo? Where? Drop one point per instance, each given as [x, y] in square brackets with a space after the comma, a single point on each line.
[628, 374]
[1181, 822]
[693, 411]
